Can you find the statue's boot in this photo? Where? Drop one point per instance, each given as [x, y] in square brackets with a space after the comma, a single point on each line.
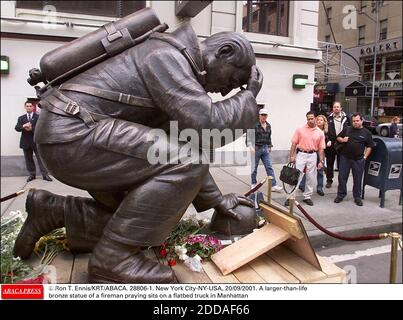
[84, 219]
[45, 213]
[114, 262]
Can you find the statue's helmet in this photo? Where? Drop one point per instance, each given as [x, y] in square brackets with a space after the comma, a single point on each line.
[229, 227]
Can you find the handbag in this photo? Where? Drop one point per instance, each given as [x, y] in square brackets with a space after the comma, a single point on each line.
[338, 147]
[290, 175]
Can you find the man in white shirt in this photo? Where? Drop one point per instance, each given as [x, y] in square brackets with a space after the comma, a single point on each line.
[337, 121]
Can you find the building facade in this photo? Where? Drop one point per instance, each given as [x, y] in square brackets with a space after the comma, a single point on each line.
[283, 34]
[349, 76]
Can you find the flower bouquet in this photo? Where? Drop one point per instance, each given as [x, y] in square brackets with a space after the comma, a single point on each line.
[14, 270]
[187, 243]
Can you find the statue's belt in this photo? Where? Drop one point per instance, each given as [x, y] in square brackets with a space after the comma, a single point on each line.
[69, 107]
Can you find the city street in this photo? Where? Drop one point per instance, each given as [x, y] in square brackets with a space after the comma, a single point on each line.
[364, 262]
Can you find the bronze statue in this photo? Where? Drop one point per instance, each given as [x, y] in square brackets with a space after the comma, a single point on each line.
[91, 142]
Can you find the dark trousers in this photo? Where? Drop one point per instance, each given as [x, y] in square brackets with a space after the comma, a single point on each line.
[331, 155]
[357, 167]
[30, 163]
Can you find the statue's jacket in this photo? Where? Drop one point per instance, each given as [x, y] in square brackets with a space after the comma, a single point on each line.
[155, 71]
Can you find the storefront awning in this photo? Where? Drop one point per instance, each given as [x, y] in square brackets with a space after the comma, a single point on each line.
[360, 89]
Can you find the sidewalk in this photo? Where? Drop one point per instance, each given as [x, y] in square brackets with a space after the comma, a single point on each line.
[344, 217]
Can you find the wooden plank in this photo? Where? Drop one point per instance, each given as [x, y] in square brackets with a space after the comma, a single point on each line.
[270, 271]
[246, 274]
[336, 279]
[185, 275]
[303, 249]
[80, 268]
[301, 269]
[301, 246]
[331, 269]
[284, 221]
[64, 266]
[248, 248]
[216, 276]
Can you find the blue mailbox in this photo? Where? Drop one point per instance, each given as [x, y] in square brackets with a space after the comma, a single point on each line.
[383, 168]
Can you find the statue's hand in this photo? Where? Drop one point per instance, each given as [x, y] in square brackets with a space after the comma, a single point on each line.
[255, 80]
[229, 202]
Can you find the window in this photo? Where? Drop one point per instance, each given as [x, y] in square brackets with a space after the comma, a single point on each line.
[361, 35]
[269, 17]
[393, 66]
[367, 64]
[329, 14]
[97, 8]
[327, 38]
[383, 29]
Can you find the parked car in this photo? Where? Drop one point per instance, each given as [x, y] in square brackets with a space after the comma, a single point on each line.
[370, 123]
[383, 129]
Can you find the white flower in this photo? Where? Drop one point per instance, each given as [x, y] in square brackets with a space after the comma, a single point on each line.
[180, 250]
[183, 257]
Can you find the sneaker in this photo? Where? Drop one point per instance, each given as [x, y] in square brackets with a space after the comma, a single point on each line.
[328, 184]
[30, 178]
[276, 189]
[358, 202]
[308, 202]
[321, 193]
[338, 200]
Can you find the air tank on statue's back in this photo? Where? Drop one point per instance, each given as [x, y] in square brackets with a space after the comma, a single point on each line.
[77, 56]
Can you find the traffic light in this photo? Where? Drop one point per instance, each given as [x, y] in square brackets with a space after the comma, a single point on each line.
[299, 81]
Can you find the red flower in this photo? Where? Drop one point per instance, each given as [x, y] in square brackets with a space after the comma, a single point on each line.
[163, 252]
[171, 262]
[38, 280]
[163, 245]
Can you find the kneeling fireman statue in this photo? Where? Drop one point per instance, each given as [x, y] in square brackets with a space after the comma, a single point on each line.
[91, 142]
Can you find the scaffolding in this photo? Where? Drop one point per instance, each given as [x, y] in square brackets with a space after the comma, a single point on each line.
[332, 66]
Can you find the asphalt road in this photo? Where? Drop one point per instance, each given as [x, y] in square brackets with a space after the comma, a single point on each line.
[365, 262]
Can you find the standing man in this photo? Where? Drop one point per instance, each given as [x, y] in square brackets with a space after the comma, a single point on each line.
[26, 125]
[308, 140]
[357, 148]
[262, 149]
[394, 130]
[337, 121]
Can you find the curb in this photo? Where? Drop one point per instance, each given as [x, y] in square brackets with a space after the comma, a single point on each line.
[319, 239]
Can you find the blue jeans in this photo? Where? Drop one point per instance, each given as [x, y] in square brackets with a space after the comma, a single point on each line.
[319, 178]
[357, 167]
[262, 152]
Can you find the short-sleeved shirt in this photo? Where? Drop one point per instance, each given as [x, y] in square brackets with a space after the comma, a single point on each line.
[358, 140]
[309, 139]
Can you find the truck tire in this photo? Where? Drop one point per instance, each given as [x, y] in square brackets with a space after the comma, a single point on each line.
[384, 132]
